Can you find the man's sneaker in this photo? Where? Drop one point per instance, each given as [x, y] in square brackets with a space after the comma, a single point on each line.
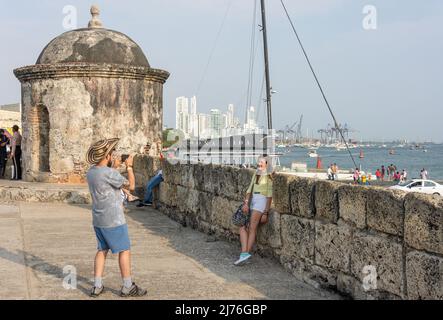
[95, 292]
[243, 258]
[144, 204]
[133, 291]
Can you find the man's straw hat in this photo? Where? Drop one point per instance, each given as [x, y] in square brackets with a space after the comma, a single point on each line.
[99, 150]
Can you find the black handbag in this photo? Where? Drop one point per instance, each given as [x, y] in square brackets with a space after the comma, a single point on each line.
[239, 218]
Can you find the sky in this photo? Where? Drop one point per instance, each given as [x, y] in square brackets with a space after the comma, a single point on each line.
[385, 83]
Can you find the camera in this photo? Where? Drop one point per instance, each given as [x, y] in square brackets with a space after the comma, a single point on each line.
[124, 157]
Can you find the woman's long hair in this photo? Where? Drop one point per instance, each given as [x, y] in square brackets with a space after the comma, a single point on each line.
[269, 175]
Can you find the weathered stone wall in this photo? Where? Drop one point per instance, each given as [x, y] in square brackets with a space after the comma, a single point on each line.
[80, 111]
[323, 232]
[9, 119]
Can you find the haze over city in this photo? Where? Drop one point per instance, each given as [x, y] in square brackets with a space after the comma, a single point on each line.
[383, 82]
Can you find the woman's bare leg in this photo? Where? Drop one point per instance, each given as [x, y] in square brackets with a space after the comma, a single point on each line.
[253, 225]
[244, 239]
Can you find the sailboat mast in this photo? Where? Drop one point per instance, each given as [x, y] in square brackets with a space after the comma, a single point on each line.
[268, 81]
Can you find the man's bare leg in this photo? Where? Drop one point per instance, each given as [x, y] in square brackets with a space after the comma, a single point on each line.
[124, 261]
[99, 267]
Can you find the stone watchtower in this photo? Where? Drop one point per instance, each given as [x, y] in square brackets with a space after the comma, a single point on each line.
[87, 84]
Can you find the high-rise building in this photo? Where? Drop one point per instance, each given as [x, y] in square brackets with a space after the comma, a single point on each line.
[230, 115]
[216, 123]
[251, 122]
[225, 121]
[193, 118]
[194, 105]
[203, 126]
[182, 114]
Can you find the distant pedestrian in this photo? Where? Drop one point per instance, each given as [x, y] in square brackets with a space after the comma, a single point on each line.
[4, 141]
[16, 153]
[404, 175]
[391, 172]
[356, 176]
[378, 174]
[364, 179]
[424, 174]
[335, 171]
[383, 171]
[330, 173]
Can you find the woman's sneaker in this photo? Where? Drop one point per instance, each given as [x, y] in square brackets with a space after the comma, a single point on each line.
[95, 292]
[133, 291]
[243, 258]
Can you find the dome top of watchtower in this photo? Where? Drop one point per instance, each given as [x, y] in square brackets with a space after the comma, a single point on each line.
[94, 44]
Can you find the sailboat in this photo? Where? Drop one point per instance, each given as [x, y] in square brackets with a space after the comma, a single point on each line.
[361, 154]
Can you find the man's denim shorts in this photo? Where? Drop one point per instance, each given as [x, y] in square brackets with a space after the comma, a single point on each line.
[115, 239]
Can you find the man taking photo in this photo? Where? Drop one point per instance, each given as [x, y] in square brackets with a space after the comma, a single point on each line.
[105, 184]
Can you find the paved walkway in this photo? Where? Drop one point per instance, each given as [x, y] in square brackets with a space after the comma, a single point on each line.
[38, 240]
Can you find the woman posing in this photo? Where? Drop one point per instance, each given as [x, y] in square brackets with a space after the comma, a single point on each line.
[257, 201]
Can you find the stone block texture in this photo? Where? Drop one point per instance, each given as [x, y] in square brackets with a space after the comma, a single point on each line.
[424, 222]
[352, 205]
[385, 210]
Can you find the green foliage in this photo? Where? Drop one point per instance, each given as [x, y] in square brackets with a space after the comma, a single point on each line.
[171, 136]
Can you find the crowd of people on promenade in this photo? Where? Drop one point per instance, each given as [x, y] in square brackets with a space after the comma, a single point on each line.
[10, 148]
[384, 173]
[390, 173]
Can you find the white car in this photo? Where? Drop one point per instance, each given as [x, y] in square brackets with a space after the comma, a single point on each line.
[420, 185]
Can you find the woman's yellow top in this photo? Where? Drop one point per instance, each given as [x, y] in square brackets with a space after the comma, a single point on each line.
[264, 186]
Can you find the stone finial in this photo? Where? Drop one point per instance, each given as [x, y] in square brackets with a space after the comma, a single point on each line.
[95, 21]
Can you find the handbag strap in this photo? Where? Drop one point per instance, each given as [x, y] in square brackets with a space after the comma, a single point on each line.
[252, 189]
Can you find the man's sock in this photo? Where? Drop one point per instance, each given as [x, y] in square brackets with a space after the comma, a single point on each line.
[98, 282]
[127, 282]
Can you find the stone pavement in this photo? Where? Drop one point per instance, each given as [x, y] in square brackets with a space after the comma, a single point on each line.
[38, 240]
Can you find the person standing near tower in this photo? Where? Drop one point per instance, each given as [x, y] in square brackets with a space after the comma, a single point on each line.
[16, 153]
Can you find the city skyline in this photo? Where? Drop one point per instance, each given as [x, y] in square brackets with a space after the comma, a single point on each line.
[383, 81]
[214, 124]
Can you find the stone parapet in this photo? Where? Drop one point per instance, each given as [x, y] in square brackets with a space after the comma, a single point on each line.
[364, 242]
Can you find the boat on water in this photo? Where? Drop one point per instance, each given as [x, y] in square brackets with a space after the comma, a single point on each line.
[392, 152]
[313, 154]
[362, 155]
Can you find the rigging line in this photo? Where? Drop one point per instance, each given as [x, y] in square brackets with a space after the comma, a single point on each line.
[214, 47]
[251, 59]
[253, 65]
[318, 83]
[261, 99]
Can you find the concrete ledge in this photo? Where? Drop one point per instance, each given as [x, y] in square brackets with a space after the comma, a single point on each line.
[44, 192]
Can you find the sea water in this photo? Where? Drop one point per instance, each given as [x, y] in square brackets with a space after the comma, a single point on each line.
[413, 161]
